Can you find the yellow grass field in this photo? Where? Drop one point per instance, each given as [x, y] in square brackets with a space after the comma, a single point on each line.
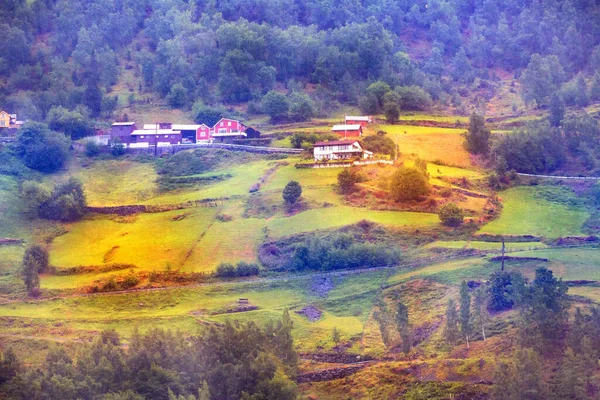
[430, 143]
[151, 242]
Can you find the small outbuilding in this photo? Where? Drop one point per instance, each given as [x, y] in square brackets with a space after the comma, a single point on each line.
[346, 131]
[362, 120]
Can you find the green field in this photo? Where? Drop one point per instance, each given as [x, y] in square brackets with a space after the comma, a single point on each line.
[243, 177]
[526, 214]
[114, 182]
[184, 308]
[333, 217]
[232, 241]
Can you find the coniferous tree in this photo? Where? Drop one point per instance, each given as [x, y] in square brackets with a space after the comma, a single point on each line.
[31, 275]
[478, 136]
[451, 330]
[465, 311]
[292, 192]
[93, 95]
[402, 324]
[480, 313]
[530, 382]
[557, 110]
[577, 331]
[204, 392]
[335, 336]
[570, 383]
[505, 382]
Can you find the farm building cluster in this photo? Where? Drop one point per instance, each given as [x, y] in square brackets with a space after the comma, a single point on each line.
[352, 127]
[347, 148]
[168, 134]
[9, 121]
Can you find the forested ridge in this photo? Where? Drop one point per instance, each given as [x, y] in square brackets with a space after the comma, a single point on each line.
[235, 52]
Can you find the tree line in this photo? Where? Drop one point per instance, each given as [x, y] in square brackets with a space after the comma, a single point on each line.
[233, 361]
[231, 52]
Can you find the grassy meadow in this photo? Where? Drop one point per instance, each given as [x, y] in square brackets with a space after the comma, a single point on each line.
[442, 145]
[524, 213]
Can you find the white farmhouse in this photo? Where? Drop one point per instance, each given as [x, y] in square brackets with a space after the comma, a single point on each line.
[340, 150]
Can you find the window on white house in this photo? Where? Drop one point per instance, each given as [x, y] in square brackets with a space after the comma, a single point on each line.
[141, 137]
[229, 123]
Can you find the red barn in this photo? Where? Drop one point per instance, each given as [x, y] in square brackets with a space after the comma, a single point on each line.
[203, 133]
[346, 131]
[358, 120]
[228, 129]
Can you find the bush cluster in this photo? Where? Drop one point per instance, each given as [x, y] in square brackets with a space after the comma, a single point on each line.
[66, 202]
[242, 269]
[340, 252]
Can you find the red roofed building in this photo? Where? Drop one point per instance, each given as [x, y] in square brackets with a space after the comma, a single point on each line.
[361, 120]
[203, 134]
[340, 150]
[346, 131]
[228, 129]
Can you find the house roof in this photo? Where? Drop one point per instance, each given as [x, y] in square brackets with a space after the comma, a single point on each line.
[358, 118]
[351, 127]
[335, 143]
[187, 127]
[154, 132]
[4, 112]
[123, 123]
[228, 119]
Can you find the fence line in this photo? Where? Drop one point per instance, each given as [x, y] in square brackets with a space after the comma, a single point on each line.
[589, 178]
[242, 147]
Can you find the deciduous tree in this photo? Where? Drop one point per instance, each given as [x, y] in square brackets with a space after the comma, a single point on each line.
[408, 184]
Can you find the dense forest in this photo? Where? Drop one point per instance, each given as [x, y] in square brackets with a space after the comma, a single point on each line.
[232, 52]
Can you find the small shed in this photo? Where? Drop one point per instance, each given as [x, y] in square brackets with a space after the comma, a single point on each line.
[346, 131]
[362, 120]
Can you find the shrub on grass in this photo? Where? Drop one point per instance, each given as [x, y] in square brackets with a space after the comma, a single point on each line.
[347, 179]
[224, 217]
[247, 269]
[225, 270]
[91, 149]
[408, 184]
[117, 148]
[130, 281]
[451, 215]
[228, 270]
[292, 192]
[379, 144]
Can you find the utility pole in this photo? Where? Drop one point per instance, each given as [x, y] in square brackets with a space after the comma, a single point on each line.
[156, 139]
[503, 250]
